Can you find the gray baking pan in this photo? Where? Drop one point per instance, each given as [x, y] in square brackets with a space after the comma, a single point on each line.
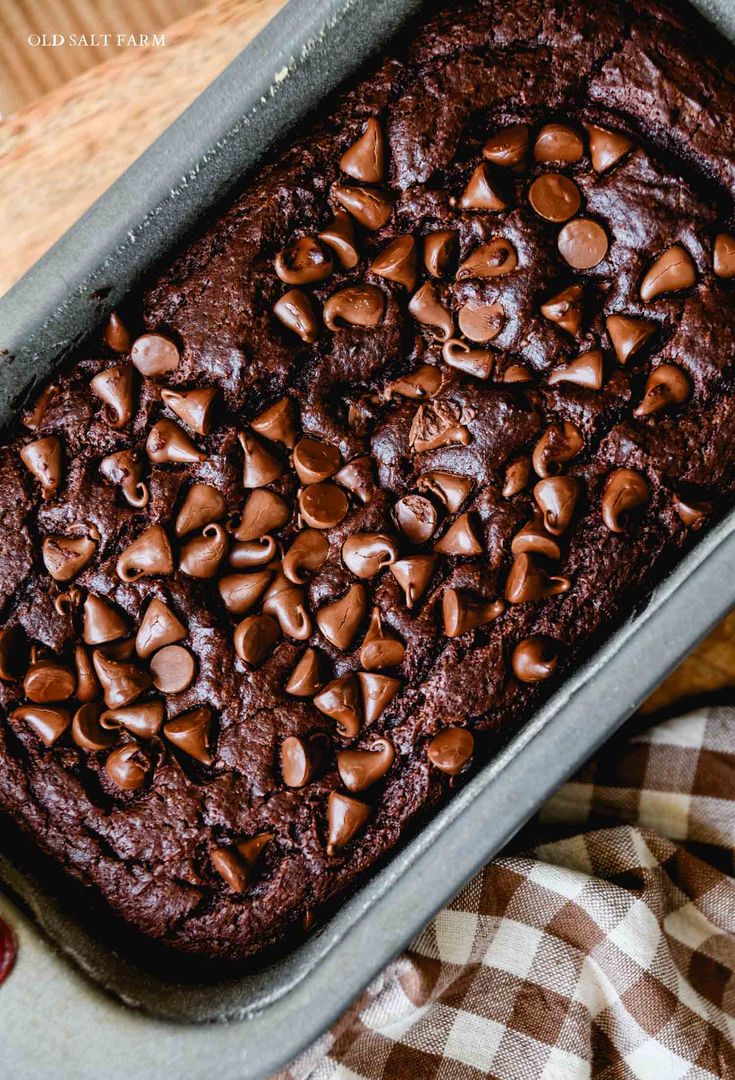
[273, 1014]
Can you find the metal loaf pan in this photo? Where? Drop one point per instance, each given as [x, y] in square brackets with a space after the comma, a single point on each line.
[301, 56]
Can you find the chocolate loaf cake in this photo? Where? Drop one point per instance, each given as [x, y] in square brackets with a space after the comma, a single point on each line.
[317, 520]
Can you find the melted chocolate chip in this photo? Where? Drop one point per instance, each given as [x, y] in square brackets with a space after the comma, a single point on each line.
[303, 262]
[155, 354]
[451, 750]
[625, 490]
[583, 243]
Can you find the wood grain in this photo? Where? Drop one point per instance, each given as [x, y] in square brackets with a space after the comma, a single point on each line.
[58, 155]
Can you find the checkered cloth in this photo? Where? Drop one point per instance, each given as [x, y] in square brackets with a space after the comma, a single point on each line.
[605, 948]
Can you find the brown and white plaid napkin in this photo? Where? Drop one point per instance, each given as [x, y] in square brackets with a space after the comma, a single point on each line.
[606, 948]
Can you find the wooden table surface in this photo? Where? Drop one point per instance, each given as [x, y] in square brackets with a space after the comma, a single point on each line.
[58, 155]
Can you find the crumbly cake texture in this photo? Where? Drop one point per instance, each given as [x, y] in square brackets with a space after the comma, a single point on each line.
[480, 469]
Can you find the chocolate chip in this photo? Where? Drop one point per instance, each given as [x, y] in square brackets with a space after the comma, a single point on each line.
[340, 620]
[128, 766]
[323, 505]
[260, 465]
[241, 592]
[300, 759]
[340, 700]
[380, 649]
[366, 554]
[692, 514]
[357, 477]
[172, 669]
[554, 197]
[449, 488]
[585, 371]
[190, 732]
[306, 555]
[33, 418]
[625, 490]
[43, 459]
[558, 444]
[115, 335]
[667, 385]
[103, 622]
[168, 444]
[416, 517]
[294, 309]
[672, 271]
[87, 688]
[345, 818]
[149, 555]
[478, 363]
[194, 407]
[48, 681]
[303, 262]
[285, 602]
[481, 192]
[535, 659]
[377, 692]
[556, 498]
[158, 627]
[462, 612]
[557, 142]
[360, 769]
[607, 148]
[143, 720]
[306, 678]
[534, 539]
[398, 262]
[278, 423]
[451, 750]
[436, 424]
[202, 505]
[479, 321]
[565, 309]
[122, 682]
[125, 469]
[413, 575]
[517, 475]
[583, 243]
[65, 556]
[427, 309]
[422, 383]
[201, 555]
[357, 305]
[507, 147]
[628, 335]
[114, 387]
[48, 724]
[264, 512]
[527, 581]
[315, 461]
[460, 538]
[723, 256]
[439, 249]
[255, 637]
[252, 553]
[230, 868]
[154, 354]
[370, 207]
[365, 159]
[86, 730]
[493, 259]
[339, 235]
